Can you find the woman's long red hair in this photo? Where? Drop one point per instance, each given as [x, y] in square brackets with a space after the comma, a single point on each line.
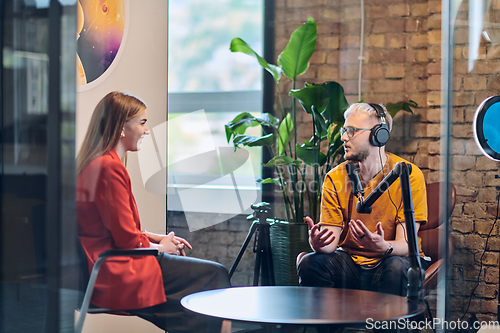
[106, 125]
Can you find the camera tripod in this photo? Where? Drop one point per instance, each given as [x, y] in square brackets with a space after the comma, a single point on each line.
[262, 246]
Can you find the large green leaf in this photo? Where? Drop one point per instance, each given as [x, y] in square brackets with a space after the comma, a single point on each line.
[267, 119]
[282, 161]
[311, 94]
[245, 120]
[310, 154]
[276, 181]
[328, 98]
[394, 108]
[239, 45]
[253, 141]
[239, 125]
[285, 134]
[294, 59]
[334, 112]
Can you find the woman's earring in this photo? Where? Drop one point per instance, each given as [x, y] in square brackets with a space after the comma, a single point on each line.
[123, 134]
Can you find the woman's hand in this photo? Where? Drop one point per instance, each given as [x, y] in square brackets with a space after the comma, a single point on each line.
[170, 243]
[154, 238]
[181, 244]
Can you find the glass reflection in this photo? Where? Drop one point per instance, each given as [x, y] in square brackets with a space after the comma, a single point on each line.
[24, 151]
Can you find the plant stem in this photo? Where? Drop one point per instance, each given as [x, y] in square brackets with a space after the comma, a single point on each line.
[271, 151]
[288, 204]
[299, 207]
[294, 123]
[281, 100]
[316, 144]
[293, 184]
[306, 191]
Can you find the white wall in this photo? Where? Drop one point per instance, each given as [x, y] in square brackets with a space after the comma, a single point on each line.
[141, 70]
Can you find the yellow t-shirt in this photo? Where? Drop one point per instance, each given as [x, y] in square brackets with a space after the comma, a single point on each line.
[335, 208]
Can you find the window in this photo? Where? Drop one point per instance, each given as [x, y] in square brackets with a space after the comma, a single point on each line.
[208, 86]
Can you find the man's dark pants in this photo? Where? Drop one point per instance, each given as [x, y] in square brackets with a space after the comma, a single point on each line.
[338, 270]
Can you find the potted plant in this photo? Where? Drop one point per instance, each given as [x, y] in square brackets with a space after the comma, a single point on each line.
[300, 167]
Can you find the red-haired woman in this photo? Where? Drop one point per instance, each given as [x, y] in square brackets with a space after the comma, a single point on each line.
[108, 219]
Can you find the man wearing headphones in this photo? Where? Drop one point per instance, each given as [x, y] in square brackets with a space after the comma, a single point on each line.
[363, 251]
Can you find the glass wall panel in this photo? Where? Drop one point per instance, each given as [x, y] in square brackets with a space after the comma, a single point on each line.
[210, 186]
[24, 164]
[441, 58]
[37, 164]
[472, 74]
[205, 77]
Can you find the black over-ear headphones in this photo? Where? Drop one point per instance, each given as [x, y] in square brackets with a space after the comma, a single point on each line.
[379, 134]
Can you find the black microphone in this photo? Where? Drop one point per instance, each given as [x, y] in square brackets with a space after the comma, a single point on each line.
[357, 188]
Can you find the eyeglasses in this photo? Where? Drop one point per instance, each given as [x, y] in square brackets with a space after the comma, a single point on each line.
[350, 130]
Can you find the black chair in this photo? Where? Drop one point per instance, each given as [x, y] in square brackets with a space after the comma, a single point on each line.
[85, 308]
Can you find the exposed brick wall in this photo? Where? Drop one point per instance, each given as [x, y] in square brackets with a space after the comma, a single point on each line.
[397, 53]
[402, 61]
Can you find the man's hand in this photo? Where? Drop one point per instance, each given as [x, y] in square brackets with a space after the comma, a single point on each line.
[319, 238]
[373, 241]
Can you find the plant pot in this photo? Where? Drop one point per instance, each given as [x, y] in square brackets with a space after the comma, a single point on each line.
[287, 241]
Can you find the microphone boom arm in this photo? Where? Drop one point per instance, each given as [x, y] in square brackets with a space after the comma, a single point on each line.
[365, 206]
[416, 274]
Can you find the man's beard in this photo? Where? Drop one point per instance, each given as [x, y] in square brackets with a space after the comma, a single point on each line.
[361, 156]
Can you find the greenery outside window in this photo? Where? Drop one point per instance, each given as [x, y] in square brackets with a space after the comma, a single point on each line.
[207, 87]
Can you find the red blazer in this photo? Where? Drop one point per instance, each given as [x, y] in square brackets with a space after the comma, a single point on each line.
[108, 219]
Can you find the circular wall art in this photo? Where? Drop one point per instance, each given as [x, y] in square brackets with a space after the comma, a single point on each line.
[486, 127]
[101, 33]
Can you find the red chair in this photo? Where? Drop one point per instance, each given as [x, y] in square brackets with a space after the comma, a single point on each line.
[429, 233]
